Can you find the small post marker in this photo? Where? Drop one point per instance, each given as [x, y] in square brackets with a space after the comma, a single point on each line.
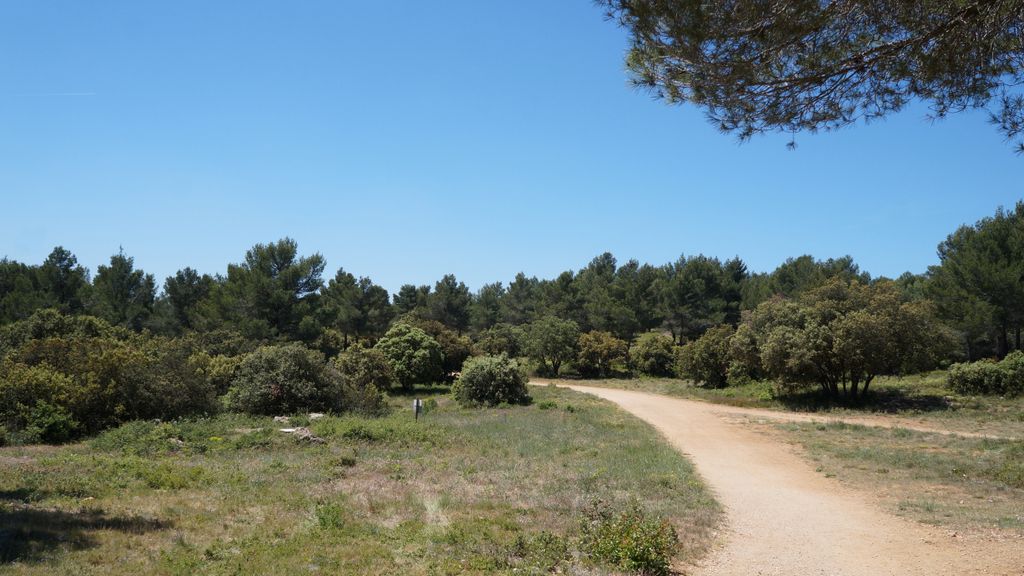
[417, 407]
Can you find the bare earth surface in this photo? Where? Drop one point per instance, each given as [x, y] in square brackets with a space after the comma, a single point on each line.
[785, 519]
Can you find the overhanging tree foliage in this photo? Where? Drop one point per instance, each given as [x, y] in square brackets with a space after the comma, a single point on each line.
[794, 65]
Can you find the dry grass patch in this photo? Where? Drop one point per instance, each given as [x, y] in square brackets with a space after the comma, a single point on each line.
[972, 486]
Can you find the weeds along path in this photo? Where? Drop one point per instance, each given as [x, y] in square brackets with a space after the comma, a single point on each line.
[785, 519]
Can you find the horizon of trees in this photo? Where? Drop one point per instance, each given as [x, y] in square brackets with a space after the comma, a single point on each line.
[276, 294]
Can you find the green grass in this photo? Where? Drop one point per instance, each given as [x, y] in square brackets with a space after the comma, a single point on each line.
[460, 491]
[924, 397]
[962, 483]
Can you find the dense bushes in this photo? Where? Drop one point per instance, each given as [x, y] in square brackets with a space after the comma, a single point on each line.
[414, 356]
[285, 379]
[491, 380]
[706, 360]
[599, 352]
[366, 375]
[365, 367]
[653, 354]
[95, 376]
[61, 377]
[988, 377]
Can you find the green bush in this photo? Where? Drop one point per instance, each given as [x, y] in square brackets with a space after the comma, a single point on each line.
[366, 375]
[653, 354]
[454, 348]
[23, 387]
[989, 377]
[628, 540]
[491, 380]
[285, 379]
[100, 380]
[415, 357]
[49, 423]
[365, 367]
[1014, 366]
[706, 359]
[598, 352]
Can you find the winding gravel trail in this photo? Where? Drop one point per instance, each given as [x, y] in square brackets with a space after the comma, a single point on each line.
[784, 519]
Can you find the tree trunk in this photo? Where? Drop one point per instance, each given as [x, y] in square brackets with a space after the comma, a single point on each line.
[1004, 340]
[1017, 337]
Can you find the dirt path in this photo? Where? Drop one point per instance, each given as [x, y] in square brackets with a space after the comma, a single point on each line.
[878, 421]
[784, 519]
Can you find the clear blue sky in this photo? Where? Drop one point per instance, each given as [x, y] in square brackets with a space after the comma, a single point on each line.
[406, 140]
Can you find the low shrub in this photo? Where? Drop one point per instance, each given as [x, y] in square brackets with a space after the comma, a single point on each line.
[330, 516]
[653, 354]
[628, 540]
[541, 553]
[491, 380]
[989, 377]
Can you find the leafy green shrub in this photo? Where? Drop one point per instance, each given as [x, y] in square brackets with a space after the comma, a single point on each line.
[100, 381]
[628, 540]
[706, 360]
[285, 379]
[491, 380]
[366, 375]
[365, 367]
[415, 357]
[1014, 366]
[599, 352]
[22, 388]
[989, 377]
[49, 423]
[653, 354]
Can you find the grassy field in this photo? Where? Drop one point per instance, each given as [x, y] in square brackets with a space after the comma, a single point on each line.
[460, 491]
[923, 397]
[969, 485]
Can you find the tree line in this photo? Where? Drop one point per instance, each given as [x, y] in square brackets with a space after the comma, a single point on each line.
[275, 294]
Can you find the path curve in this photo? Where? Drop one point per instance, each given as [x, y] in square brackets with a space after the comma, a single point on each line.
[784, 519]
